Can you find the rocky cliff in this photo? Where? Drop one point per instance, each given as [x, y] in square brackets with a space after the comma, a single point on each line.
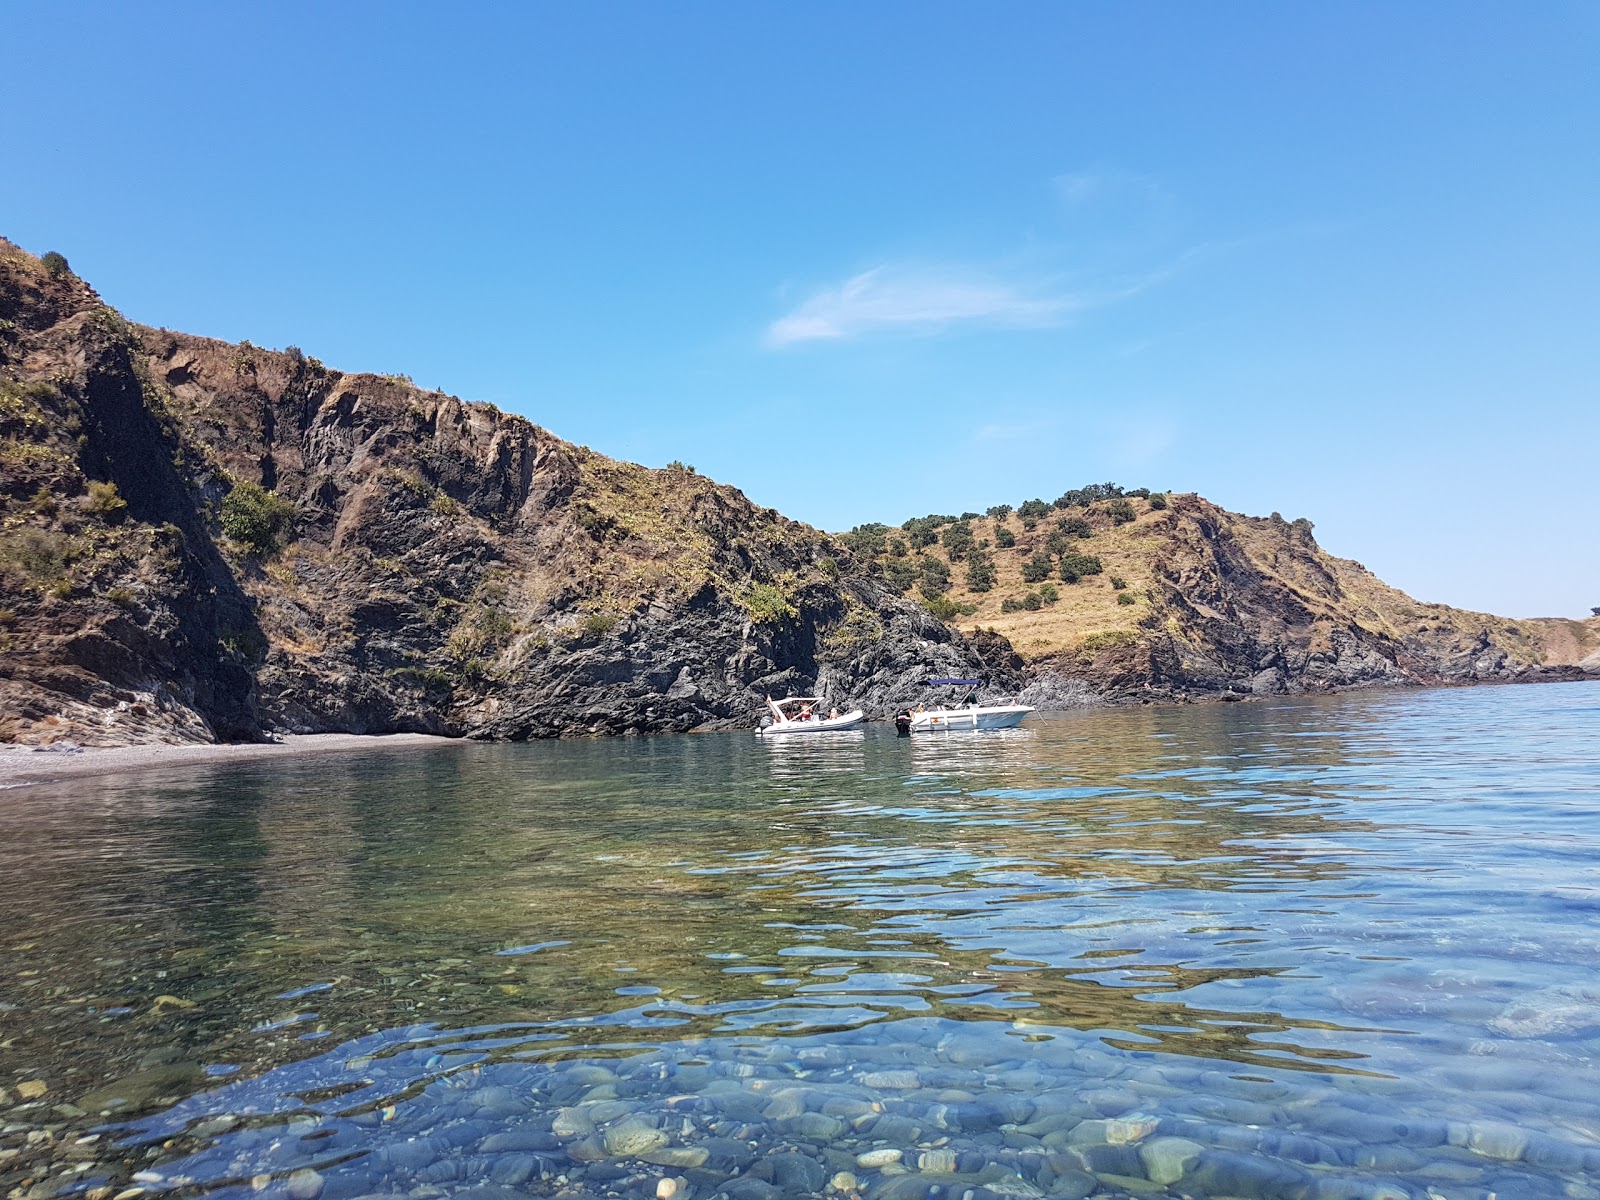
[1113, 596]
[202, 540]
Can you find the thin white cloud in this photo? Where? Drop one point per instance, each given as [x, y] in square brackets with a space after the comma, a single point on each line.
[908, 300]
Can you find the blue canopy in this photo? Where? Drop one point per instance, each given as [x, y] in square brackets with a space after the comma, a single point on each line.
[955, 682]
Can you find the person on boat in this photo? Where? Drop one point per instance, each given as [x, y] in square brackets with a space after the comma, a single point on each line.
[805, 712]
[833, 714]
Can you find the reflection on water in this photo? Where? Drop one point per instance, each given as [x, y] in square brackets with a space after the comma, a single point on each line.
[1322, 948]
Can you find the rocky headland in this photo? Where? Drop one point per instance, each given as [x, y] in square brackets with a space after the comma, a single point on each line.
[203, 541]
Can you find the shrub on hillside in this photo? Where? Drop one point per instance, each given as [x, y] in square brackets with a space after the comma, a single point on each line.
[55, 265]
[901, 573]
[767, 605]
[1004, 538]
[1010, 605]
[104, 501]
[980, 571]
[1076, 527]
[1121, 512]
[999, 511]
[1033, 508]
[1037, 568]
[947, 609]
[256, 518]
[957, 540]
[866, 541]
[1031, 602]
[1075, 566]
[1157, 501]
[1126, 598]
[897, 547]
[934, 578]
[1049, 593]
[1118, 583]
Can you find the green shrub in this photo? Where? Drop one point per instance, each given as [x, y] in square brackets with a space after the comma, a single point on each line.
[1076, 527]
[1037, 568]
[897, 547]
[942, 607]
[980, 571]
[999, 511]
[934, 578]
[1126, 598]
[767, 605]
[1157, 501]
[900, 573]
[1075, 566]
[1118, 583]
[866, 541]
[1049, 593]
[1031, 602]
[1004, 538]
[55, 265]
[256, 518]
[1030, 523]
[1121, 512]
[120, 596]
[957, 540]
[104, 501]
[1010, 604]
[598, 624]
[1033, 508]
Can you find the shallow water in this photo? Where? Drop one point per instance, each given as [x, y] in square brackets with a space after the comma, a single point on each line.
[1323, 948]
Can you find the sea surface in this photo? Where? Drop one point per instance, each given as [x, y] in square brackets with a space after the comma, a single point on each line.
[1322, 948]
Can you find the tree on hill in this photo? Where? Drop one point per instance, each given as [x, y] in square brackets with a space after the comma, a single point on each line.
[866, 541]
[1075, 566]
[999, 511]
[934, 578]
[980, 571]
[1033, 508]
[1121, 511]
[1037, 568]
[957, 540]
[1004, 538]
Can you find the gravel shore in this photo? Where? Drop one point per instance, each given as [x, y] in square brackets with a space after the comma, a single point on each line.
[23, 765]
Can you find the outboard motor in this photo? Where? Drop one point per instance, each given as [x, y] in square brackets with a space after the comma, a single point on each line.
[902, 723]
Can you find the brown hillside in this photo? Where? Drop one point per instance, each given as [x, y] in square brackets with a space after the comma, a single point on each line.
[1189, 598]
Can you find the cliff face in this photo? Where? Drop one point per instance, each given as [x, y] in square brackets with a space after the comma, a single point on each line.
[202, 540]
[1172, 597]
[404, 561]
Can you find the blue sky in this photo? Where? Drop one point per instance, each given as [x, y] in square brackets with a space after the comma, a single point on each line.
[871, 261]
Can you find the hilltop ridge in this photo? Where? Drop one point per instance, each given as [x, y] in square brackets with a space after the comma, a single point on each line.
[202, 540]
[1117, 594]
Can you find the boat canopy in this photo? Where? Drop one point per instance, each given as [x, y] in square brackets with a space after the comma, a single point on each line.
[955, 683]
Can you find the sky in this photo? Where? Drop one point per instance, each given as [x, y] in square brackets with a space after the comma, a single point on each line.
[870, 261]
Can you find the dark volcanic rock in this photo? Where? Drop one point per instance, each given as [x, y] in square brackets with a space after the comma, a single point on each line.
[449, 568]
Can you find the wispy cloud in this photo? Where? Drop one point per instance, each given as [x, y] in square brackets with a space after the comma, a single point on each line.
[912, 300]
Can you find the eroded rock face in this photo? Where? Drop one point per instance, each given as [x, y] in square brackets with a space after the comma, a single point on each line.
[447, 568]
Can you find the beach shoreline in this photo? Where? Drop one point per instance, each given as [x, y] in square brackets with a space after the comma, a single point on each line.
[26, 766]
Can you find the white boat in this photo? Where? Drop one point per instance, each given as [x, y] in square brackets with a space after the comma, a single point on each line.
[799, 714]
[968, 714]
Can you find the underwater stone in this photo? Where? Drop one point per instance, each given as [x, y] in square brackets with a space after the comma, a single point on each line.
[1496, 1140]
[814, 1127]
[633, 1137]
[677, 1156]
[1167, 1158]
[874, 1159]
[891, 1080]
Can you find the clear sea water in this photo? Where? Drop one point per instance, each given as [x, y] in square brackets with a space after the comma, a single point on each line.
[1319, 949]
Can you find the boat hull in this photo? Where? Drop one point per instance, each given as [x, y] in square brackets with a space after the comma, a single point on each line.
[952, 720]
[820, 725]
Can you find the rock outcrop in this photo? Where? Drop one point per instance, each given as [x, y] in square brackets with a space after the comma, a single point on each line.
[1145, 597]
[202, 540]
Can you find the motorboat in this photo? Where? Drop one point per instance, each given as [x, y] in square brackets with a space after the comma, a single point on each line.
[966, 713]
[802, 714]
